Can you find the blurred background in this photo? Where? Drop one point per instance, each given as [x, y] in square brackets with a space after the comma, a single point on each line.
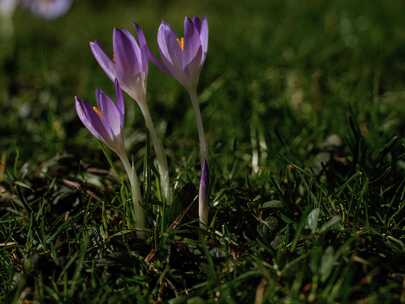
[282, 73]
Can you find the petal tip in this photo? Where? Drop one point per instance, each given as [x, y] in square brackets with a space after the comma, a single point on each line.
[78, 101]
[94, 44]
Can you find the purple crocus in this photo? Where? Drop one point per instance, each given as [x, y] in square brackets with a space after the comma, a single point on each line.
[129, 64]
[48, 9]
[106, 120]
[183, 57]
[7, 7]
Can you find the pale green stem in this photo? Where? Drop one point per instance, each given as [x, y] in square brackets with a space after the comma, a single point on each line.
[136, 196]
[202, 197]
[160, 153]
[200, 127]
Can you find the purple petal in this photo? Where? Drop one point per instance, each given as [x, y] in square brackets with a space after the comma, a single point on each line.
[146, 51]
[103, 60]
[120, 102]
[81, 110]
[192, 41]
[143, 45]
[175, 52]
[140, 35]
[125, 55]
[142, 62]
[197, 23]
[164, 52]
[110, 115]
[204, 38]
[91, 120]
[168, 45]
[171, 53]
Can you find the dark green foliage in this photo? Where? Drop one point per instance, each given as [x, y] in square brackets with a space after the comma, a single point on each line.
[303, 103]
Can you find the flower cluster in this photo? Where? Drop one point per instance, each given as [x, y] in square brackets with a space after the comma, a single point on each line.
[180, 57]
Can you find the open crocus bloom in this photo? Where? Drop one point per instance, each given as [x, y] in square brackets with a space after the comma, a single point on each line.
[106, 120]
[130, 63]
[183, 57]
[48, 9]
[7, 7]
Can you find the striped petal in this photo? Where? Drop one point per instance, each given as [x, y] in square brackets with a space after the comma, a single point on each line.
[109, 114]
[204, 38]
[91, 120]
[147, 52]
[103, 60]
[192, 41]
[120, 102]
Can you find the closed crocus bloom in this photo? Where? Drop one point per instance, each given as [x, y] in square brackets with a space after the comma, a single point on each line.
[183, 57]
[48, 9]
[129, 66]
[106, 120]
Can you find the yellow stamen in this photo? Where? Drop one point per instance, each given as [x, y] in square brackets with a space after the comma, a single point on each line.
[180, 41]
[98, 111]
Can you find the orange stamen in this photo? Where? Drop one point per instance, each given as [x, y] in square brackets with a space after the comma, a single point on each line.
[98, 112]
[180, 41]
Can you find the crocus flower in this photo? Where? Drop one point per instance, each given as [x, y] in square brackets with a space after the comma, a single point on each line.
[129, 66]
[183, 57]
[48, 9]
[106, 120]
[7, 7]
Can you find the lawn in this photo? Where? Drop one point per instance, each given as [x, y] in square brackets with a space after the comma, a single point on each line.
[303, 104]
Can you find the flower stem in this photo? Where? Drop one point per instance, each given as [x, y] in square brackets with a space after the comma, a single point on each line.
[136, 196]
[203, 190]
[160, 154]
[200, 127]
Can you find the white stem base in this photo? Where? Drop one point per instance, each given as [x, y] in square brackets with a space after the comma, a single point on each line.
[203, 190]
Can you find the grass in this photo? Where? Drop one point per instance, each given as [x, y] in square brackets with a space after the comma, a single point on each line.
[303, 107]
